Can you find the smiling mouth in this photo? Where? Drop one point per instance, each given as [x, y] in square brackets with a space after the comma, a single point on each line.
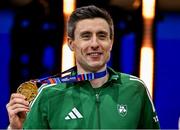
[94, 54]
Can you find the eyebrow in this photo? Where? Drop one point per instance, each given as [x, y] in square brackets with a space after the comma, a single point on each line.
[88, 32]
[85, 32]
[103, 32]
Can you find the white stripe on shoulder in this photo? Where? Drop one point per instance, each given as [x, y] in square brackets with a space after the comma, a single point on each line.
[131, 76]
[39, 92]
[149, 96]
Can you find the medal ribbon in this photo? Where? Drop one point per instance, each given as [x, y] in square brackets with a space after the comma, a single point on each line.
[70, 79]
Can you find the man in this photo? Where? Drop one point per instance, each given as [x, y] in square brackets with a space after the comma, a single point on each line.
[96, 97]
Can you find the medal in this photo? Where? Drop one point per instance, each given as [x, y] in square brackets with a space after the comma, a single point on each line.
[29, 89]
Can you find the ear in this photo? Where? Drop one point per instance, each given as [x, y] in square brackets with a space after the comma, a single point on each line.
[111, 44]
[70, 43]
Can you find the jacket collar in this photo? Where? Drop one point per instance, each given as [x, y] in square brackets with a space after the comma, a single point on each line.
[113, 75]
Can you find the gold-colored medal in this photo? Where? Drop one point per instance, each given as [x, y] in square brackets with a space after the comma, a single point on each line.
[29, 89]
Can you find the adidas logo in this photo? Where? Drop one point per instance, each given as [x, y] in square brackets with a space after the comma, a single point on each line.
[74, 114]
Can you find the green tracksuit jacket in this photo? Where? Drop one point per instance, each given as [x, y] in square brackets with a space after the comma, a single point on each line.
[121, 103]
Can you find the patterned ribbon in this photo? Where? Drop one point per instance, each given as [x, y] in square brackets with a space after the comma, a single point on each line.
[70, 79]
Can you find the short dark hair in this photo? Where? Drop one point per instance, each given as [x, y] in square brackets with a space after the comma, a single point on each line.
[88, 12]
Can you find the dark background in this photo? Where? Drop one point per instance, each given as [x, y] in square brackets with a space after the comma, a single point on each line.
[31, 37]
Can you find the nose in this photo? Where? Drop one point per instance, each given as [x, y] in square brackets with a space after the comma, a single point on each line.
[94, 43]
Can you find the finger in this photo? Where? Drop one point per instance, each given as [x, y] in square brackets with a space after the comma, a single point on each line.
[17, 95]
[13, 110]
[17, 110]
[18, 101]
[15, 106]
[7, 105]
[14, 95]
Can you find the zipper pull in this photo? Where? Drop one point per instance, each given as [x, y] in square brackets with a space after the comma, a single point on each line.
[97, 97]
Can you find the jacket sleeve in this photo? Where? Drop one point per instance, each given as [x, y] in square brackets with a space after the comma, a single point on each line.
[37, 118]
[149, 118]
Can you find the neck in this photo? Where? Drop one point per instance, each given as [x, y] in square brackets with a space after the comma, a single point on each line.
[96, 83]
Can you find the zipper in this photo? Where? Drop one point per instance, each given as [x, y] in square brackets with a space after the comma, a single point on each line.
[97, 100]
[98, 111]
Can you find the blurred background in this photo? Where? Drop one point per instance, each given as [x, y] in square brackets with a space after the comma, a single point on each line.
[147, 45]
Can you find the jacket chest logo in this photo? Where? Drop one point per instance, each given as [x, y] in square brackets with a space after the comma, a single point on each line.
[122, 109]
[73, 114]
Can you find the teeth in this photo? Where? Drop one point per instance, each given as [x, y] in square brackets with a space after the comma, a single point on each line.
[94, 53]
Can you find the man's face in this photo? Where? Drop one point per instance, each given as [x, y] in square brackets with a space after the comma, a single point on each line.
[91, 44]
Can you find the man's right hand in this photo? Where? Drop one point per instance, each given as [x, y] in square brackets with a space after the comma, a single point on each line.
[17, 108]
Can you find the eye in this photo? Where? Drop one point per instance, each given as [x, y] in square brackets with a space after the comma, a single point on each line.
[86, 36]
[102, 36]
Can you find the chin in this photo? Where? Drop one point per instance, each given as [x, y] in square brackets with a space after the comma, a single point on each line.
[96, 67]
